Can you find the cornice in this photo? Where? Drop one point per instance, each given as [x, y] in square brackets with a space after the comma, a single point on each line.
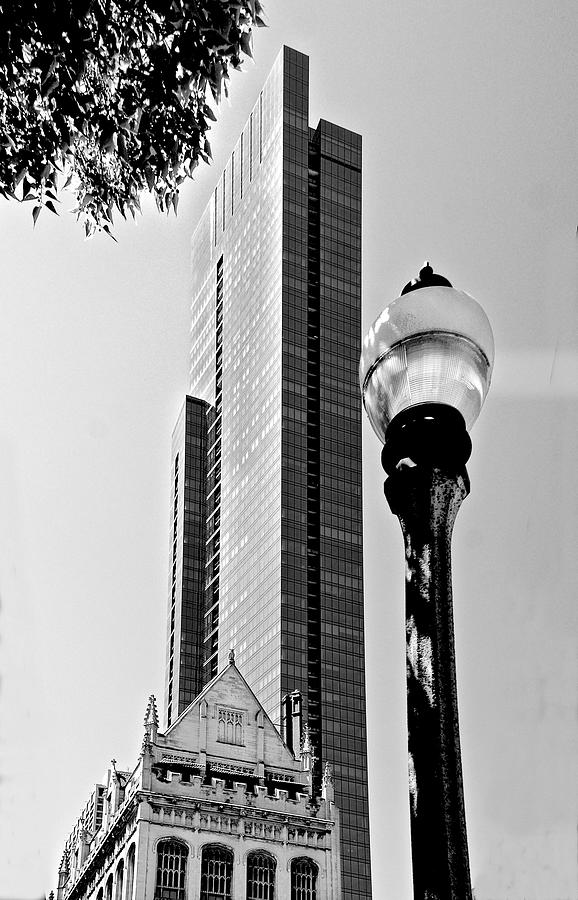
[247, 811]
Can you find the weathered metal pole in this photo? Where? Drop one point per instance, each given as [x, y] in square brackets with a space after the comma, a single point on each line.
[424, 372]
[426, 500]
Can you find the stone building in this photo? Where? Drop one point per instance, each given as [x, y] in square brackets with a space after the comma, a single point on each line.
[217, 808]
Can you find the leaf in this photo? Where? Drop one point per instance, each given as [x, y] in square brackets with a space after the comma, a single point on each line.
[115, 94]
[106, 228]
[215, 40]
[246, 43]
[150, 178]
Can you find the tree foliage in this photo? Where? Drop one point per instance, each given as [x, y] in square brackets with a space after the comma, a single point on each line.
[110, 96]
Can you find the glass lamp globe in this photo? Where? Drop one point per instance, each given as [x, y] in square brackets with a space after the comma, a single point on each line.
[432, 345]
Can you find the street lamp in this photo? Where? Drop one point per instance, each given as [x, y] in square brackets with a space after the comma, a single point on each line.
[425, 370]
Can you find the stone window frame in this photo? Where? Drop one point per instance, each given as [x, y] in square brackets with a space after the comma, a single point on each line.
[236, 736]
[166, 868]
[216, 880]
[304, 883]
[130, 869]
[119, 880]
[265, 888]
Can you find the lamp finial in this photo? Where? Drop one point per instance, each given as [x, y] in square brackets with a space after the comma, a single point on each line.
[426, 278]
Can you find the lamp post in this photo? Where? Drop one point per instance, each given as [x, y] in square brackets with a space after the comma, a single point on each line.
[425, 371]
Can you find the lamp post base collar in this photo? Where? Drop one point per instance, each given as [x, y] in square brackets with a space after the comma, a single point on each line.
[432, 435]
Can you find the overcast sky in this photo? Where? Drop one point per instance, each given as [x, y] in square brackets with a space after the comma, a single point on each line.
[468, 116]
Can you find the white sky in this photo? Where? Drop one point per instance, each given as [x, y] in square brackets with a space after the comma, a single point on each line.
[468, 112]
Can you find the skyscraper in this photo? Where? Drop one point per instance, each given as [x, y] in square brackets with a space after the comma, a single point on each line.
[266, 544]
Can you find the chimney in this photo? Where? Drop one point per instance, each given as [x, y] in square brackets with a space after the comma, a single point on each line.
[292, 721]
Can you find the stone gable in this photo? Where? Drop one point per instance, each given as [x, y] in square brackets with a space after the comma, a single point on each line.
[227, 722]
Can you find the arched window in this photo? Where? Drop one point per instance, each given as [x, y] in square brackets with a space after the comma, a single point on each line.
[171, 870]
[260, 876]
[119, 881]
[216, 873]
[99, 895]
[129, 872]
[108, 890]
[303, 880]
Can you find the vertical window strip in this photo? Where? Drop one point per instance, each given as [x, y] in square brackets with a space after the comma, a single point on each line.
[241, 172]
[224, 197]
[233, 183]
[261, 127]
[212, 563]
[215, 218]
[173, 593]
[251, 147]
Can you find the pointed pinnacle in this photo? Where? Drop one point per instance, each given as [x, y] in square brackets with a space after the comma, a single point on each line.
[151, 714]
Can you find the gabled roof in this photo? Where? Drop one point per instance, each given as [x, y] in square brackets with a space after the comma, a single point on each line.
[200, 727]
[230, 670]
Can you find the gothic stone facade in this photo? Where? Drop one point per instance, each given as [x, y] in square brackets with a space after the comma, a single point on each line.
[217, 808]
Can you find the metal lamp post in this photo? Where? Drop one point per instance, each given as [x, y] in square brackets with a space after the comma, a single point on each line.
[425, 371]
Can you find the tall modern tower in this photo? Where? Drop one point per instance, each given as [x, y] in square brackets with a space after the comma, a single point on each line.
[266, 543]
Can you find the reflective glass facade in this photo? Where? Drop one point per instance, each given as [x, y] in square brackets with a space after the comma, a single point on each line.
[188, 505]
[275, 342]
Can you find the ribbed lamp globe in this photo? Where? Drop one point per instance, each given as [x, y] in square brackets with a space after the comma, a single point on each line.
[432, 345]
